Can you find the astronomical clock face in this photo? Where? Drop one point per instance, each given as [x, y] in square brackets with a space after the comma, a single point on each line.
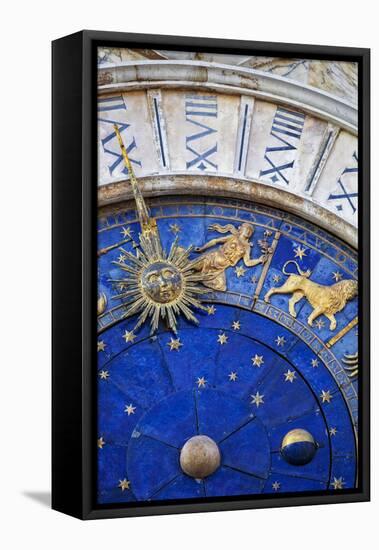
[227, 279]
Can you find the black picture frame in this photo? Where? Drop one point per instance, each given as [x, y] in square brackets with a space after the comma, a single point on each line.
[74, 204]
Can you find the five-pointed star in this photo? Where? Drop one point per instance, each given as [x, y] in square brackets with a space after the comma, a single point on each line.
[257, 399]
[174, 344]
[257, 360]
[233, 376]
[174, 228]
[337, 276]
[333, 431]
[338, 483]
[126, 232]
[276, 485]
[280, 340]
[129, 409]
[236, 325]
[201, 382]
[129, 336]
[124, 484]
[276, 278]
[104, 374]
[290, 376]
[314, 362]
[100, 442]
[222, 338]
[326, 396]
[121, 258]
[211, 310]
[319, 324]
[299, 252]
[101, 345]
[254, 279]
[240, 271]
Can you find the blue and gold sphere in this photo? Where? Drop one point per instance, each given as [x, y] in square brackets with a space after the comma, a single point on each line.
[298, 447]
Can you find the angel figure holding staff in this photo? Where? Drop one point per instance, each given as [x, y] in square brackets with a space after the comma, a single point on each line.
[234, 247]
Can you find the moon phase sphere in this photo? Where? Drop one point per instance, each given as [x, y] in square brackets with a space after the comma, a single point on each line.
[200, 457]
[298, 447]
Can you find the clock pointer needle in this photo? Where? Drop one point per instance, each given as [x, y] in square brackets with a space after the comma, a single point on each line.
[111, 247]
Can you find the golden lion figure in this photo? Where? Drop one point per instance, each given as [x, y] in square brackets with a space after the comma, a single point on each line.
[234, 247]
[325, 300]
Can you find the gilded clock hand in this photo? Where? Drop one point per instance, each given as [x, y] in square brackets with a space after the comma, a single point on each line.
[159, 285]
[148, 224]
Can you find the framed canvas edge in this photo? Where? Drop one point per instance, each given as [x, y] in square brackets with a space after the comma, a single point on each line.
[90, 41]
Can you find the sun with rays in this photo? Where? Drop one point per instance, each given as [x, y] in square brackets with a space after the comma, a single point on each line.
[158, 285]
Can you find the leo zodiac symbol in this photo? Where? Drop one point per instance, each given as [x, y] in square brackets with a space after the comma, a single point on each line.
[325, 300]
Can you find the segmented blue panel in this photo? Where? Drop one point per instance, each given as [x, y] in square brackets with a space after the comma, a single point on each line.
[150, 400]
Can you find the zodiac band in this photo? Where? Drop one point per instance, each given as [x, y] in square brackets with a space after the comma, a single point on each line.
[163, 285]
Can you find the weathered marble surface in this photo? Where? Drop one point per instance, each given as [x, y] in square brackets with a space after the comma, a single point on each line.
[244, 141]
[338, 78]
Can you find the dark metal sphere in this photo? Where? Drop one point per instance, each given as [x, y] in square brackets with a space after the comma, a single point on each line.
[200, 457]
[298, 447]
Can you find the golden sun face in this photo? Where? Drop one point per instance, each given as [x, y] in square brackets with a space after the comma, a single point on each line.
[162, 282]
[160, 286]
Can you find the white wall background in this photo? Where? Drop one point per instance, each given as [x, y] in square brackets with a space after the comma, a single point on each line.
[26, 31]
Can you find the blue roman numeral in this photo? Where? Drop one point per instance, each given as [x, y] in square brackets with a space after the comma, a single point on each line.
[289, 124]
[200, 107]
[343, 194]
[116, 104]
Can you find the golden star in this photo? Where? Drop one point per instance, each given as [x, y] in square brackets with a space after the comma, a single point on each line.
[126, 232]
[337, 276]
[100, 442]
[338, 483]
[320, 324]
[121, 258]
[276, 485]
[174, 344]
[101, 346]
[290, 376]
[276, 278]
[333, 431]
[325, 396]
[211, 310]
[174, 228]
[233, 376]
[314, 362]
[124, 484]
[257, 360]
[299, 252]
[240, 271]
[104, 374]
[129, 336]
[129, 409]
[254, 279]
[236, 325]
[280, 340]
[201, 382]
[222, 338]
[257, 399]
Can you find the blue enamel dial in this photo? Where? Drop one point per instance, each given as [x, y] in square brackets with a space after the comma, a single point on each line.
[247, 376]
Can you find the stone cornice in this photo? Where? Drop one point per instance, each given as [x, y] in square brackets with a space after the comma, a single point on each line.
[128, 76]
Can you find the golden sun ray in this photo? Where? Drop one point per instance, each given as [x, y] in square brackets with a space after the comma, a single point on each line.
[158, 285]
